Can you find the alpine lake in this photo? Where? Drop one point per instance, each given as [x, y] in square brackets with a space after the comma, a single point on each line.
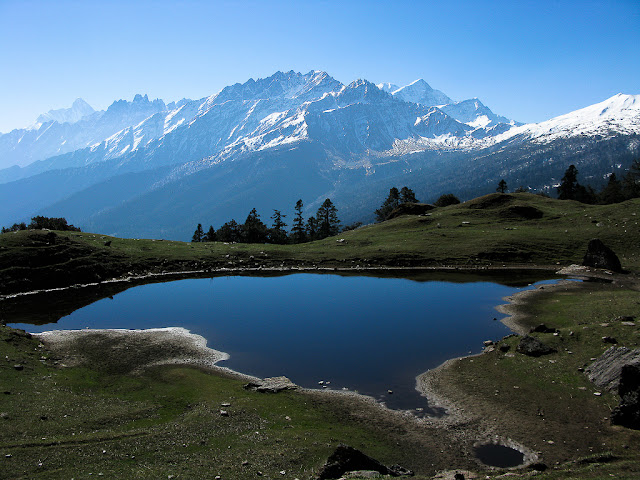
[362, 333]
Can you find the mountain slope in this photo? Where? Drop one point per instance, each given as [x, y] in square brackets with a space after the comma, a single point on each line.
[268, 142]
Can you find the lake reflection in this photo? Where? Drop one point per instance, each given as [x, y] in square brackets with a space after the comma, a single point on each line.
[363, 333]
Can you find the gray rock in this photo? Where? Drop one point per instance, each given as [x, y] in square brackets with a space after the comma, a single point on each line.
[605, 371]
[600, 256]
[271, 385]
[627, 413]
[533, 347]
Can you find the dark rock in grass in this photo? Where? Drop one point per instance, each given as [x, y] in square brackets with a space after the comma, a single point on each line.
[538, 467]
[504, 347]
[347, 459]
[600, 256]
[18, 367]
[606, 370]
[410, 209]
[533, 347]
[609, 340]
[627, 414]
[542, 328]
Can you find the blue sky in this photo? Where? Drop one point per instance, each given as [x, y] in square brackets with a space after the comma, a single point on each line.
[527, 60]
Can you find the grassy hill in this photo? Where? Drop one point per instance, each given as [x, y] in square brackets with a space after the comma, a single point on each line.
[165, 421]
[494, 230]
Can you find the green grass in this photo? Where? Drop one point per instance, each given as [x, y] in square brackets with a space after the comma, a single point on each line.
[549, 398]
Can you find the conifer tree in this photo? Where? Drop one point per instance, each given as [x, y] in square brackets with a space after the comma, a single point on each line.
[298, 232]
[392, 202]
[210, 236]
[312, 228]
[568, 184]
[253, 230]
[277, 234]
[198, 234]
[327, 218]
[612, 192]
[502, 186]
[407, 196]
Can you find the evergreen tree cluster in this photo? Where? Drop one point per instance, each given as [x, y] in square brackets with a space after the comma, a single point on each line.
[324, 224]
[394, 200]
[39, 222]
[615, 191]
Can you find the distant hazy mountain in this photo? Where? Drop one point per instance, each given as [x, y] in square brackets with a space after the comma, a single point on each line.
[67, 130]
[78, 110]
[143, 168]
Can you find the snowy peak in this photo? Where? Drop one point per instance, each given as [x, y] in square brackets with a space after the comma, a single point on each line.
[617, 115]
[474, 113]
[361, 91]
[283, 85]
[421, 92]
[78, 110]
[387, 87]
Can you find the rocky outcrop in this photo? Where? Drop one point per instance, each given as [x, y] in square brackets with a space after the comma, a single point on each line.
[533, 347]
[627, 413]
[606, 370]
[348, 459]
[271, 385]
[600, 256]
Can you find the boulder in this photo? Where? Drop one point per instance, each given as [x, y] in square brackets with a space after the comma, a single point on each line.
[271, 385]
[600, 256]
[542, 328]
[606, 370]
[348, 459]
[533, 347]
[627, 414]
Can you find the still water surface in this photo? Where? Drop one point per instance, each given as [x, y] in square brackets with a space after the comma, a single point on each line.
[366, 334]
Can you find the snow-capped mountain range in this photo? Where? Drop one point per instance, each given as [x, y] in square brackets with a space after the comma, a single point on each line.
[341, 137]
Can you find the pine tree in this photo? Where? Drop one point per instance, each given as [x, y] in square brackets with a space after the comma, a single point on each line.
[298, 232]
[392, 202]
[277, 234]
[312, 228]
[198, 234]
[568, 184]
[210, 236]
[229, 232]
[327, 218]
[253, 230]
[631, 181]
[407, 196]
[612, 192]
[502, 186]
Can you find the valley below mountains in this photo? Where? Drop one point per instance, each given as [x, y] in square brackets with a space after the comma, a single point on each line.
[149, 169]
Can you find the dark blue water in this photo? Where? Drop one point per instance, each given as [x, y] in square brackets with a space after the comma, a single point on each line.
[363, 333]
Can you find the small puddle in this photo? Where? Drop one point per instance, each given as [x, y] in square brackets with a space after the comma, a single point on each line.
[499, 455]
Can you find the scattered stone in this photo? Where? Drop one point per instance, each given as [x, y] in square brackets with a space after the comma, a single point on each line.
[609, 340]
[600, 256]
[224, 413]
[18, 367]
[225, 404]
[628, 324]
[533, 347]
[347, 459]
[542, 328]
